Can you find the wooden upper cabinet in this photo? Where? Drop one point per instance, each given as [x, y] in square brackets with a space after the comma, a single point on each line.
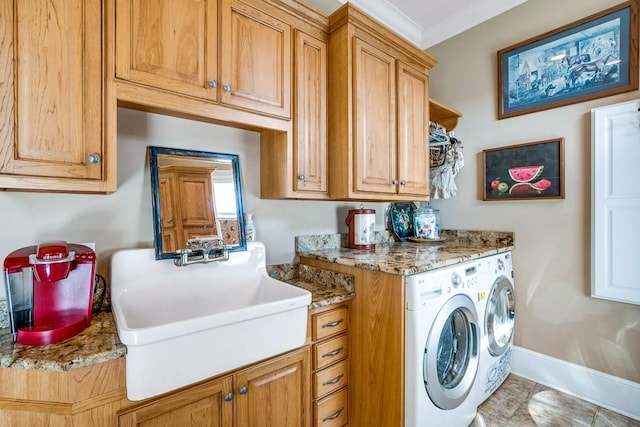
[177, 45]
[255, 64]
[374, 120]
[51, 91]
[378, 112]
[413, 131]
[168, 44]
[310, 116]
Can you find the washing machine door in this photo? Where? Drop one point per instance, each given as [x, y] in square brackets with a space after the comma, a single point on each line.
[500, 316]
[450, 360]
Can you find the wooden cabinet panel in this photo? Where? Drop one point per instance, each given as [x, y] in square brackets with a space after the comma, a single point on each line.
[374, 79]
[196, 200]
[52, 88]
[275, 393]
[255, 67]
[329, 323]
[331, 351]
[413, 131]
[202, 405]
[328, 380]
[168, 44]
[333, 412]
[310, 119]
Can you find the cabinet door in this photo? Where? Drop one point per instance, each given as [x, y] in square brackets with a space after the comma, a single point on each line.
[208, 404]
[51, 91]
[413, 131]
[255, 50]
[167, 214]
[195, 200]
[275, 393]
[374, 79]
[168, 44]
[310, 124]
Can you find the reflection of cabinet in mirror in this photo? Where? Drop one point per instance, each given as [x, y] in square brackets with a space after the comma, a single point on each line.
[187, 208]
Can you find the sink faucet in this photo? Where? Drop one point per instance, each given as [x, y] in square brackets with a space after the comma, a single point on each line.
[202, 251]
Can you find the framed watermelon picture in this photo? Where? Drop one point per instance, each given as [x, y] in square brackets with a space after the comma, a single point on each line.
[533, 170]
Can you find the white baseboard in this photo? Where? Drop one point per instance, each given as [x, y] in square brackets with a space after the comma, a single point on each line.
[614, 393]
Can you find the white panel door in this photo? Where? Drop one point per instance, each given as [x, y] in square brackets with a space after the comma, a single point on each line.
[615, 186]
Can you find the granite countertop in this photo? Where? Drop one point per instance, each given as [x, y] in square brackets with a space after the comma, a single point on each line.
[100, 342]
[96, 344]
[406, 257]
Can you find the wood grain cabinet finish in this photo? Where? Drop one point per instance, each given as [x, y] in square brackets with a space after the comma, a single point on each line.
[178, 46]
[187, 206]
[329, 332]
[294, 164]
[378, 111]
[275, 392]
[51, 94]
[206, 404]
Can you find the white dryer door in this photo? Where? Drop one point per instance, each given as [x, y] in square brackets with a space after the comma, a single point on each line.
[450, 360]
[500, 316]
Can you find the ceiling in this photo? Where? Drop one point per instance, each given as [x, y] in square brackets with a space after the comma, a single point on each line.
[426, 22]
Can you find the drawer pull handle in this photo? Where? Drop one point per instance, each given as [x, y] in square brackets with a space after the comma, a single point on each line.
[333, 353]
[334, 416]
[333, 381]
[333, 324]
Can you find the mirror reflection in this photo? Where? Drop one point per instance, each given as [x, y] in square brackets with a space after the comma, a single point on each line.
[196, 195]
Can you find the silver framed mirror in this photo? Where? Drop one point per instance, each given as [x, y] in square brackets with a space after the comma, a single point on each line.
[195, 195]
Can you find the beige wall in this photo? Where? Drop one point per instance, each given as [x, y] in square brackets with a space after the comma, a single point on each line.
[124, 219]
[555, 314]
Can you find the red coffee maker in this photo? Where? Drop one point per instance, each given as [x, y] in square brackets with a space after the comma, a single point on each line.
[49, 291]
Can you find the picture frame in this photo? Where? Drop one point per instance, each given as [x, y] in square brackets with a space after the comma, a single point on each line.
[591, 58]
[401, 219]
[533, 170]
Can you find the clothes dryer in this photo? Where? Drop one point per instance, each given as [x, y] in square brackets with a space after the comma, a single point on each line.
[496, 309]
[442, 346]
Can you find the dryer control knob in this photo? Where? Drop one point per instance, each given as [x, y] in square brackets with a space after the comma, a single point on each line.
[456, 280]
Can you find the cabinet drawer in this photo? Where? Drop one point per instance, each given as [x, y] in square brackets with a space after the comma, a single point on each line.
[329, 323]
[332, 411]
[330, 351]
[330, 379]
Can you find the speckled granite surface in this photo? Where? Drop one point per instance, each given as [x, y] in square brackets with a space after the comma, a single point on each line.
[405, 258]
[98, 343]
[326, 287]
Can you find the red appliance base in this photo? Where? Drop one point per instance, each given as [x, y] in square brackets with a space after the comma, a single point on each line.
[56, 330]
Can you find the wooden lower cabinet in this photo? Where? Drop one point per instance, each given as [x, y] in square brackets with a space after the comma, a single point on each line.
[329, 332]
[275, 392]
[376, 329]
[206, 404]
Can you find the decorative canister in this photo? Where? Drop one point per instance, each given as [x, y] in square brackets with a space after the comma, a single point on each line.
[426, 223]
[361, 223]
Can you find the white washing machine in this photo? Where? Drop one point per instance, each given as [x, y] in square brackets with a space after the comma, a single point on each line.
[442, 346]
[496, 308]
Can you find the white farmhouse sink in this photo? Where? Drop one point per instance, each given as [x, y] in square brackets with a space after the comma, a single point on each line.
[185, 324]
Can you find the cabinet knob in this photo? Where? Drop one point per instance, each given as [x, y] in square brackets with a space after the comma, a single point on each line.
[228, 397]
[213, 84]
[184, 218]
[301, 177]
[169, 220]
[403, 182]
[93, 158]
[394, 182]
[226, 87]
[243, 390]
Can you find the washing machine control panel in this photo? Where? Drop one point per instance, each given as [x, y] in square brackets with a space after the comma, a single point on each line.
[465, 278]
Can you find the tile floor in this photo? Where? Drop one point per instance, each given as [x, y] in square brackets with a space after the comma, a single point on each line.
[522, 403]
